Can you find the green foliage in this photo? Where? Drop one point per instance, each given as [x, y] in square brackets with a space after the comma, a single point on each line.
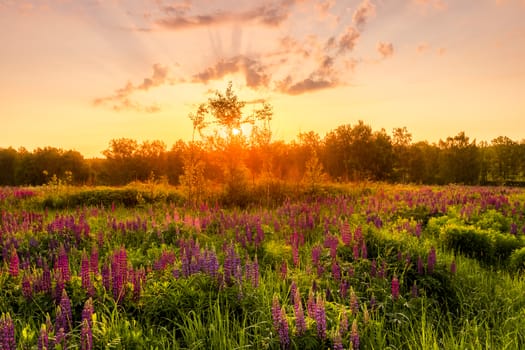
[517, 260]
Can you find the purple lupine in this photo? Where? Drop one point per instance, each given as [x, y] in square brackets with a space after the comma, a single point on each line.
[453, 267]
[63, 264]
[295, 255]
[61, 338]
[276, 312]
[310, 304]
[85, 274]
[64, 315]
[343, 288]
[14, 264]
[316, 254]
[86, 336]
[46, 280]
[320, 318]
[93, 260]
[27, 290]
[284, 270]
[7, 333]
[338, 341]
[284, 333]
[87, 312]
[106, 277]
[59, 288]
[336, 271]
[354, 335]
[373, 268]
[346, 235]
[395, 288]
[43, 338]
[300, 323]
[431, 261]
[382, 271]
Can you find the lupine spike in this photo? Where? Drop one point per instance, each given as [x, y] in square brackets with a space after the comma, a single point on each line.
[354, 335]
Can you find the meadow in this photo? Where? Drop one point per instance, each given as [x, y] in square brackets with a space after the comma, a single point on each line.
[362, 266]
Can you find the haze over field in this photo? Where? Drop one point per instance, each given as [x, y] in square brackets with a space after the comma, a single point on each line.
[76, 74]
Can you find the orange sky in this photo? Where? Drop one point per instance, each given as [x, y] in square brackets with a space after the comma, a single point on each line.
[75, 74]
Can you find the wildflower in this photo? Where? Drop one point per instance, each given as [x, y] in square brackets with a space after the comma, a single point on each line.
[27, 290]
[320, 318]
[14, 264]
[354, 335]
[354, 303]
[343, 325]
[346, 235]
[338, 342]
[373, 268]
[63, 264]
[453, 267]
[86, 336]
[43, 338]
[7, 333]
[283, 330]
[300, 323]
[64, 315]
[395, 288]
[276, 312]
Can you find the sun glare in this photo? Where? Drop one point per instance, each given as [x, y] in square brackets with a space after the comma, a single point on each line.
[236, 131]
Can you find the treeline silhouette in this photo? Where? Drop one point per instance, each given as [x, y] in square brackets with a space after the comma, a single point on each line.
[347, 153]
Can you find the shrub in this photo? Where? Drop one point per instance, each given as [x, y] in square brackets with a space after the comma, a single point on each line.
[517, 260]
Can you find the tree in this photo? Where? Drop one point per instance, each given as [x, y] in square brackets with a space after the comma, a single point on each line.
[401, 140]
[459, 160]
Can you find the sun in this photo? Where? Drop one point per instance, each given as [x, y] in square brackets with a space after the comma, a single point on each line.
[236, 131]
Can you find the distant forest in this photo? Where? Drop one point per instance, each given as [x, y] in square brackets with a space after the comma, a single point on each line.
[347, 153]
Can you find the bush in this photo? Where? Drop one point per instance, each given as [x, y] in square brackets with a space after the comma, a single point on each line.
[517, 260]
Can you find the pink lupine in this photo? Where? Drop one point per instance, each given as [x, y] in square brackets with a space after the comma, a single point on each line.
[320, 318]
[14, 264]
[395, 288]
[431, 261]
[453, 267]
[346, 235]
[300, 323]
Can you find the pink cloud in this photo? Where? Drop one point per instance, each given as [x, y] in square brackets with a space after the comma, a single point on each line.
[385, 49]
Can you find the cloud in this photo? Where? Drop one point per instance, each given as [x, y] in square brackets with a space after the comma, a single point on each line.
[437, 4]
[348, 40]
[254, 71]
[385, 49]
[271, 14]
[324, 77]
[120, 99]
[363, 13]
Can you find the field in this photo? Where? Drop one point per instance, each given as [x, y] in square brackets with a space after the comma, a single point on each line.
[369, 266]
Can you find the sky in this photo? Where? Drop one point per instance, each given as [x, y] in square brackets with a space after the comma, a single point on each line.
[75, 74]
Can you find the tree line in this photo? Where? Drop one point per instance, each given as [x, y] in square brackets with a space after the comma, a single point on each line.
[347, 153]
[232, 148]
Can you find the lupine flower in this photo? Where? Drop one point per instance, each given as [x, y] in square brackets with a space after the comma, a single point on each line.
[85, 274]
[453, 267]
[316, 254]
[346, 235]
[64, 315]
[336, 271]
[14, 264]
[300, 323]
[338, 341]
[276, 312]
[354, 335]
[373, 268]
[7, 333]
[395, 288]
[320, 318]
[43, 338]
[86, 336]
[354, 302]
[284, 334]
[87, 312]
[284, 270]
[60, 338]
[93, 260]
[343, 325]
[63, 264]
[310, 304]
[27, 290]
